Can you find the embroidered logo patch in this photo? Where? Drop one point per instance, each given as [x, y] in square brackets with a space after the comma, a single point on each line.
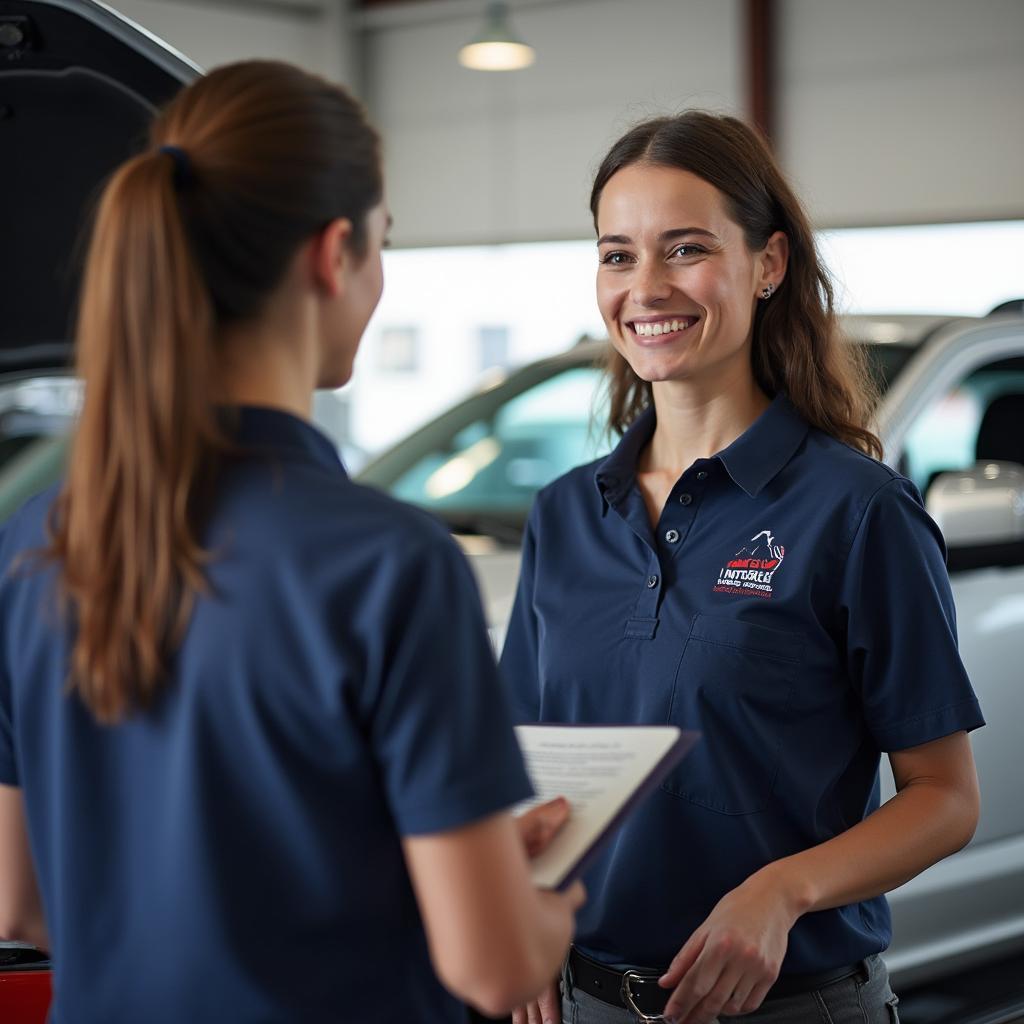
[750, 570]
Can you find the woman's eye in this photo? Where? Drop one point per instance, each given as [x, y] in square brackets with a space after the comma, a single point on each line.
[688, 250]
[615, 259]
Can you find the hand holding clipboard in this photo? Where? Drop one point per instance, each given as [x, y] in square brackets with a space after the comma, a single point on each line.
[603, 771]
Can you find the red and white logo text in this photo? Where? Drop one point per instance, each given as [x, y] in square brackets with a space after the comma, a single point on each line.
[751, 570]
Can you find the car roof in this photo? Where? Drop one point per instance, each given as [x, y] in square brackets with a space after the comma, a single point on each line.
[894, 329]
[80, 86]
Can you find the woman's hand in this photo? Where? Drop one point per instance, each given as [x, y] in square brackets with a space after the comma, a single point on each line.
[537, 827]
[733, 958]
[545, 1009]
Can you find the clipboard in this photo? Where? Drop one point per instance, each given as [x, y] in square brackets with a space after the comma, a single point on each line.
[604, 771]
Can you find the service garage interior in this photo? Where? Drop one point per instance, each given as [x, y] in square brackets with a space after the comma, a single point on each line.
[899, 123]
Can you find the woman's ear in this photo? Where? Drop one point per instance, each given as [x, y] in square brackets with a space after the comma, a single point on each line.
[330, 256]
[774, 260]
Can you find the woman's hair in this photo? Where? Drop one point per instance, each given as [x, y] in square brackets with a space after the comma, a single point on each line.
[797, 346]
[187, 239]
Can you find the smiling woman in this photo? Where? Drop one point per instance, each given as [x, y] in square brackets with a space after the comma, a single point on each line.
[709, 180]
[677, 301]
[739, 565]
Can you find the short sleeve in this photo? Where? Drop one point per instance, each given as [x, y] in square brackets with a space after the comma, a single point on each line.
[900, 625]
[440, 726]
[519, 656]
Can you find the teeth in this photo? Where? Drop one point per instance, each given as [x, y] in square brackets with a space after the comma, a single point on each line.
[665, 327]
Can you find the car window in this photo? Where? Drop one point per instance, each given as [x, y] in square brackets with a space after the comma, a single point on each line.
[36, 416]
[950, 433]
[497, 462]
[886, 361]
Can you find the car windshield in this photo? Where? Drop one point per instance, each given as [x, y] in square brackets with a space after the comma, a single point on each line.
[479, 466]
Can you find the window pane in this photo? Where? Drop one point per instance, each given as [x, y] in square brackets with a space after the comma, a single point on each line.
[945, 437]
[498, 463]
[494, 347]
[398, 350]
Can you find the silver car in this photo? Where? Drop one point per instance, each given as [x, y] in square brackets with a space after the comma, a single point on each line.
[952, 419]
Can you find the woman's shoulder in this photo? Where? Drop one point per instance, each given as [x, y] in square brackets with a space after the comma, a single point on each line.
[378, 513]
[848, 468]
[334, 512]
[860, 489]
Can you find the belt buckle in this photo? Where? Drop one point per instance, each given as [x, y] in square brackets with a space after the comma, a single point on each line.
[627, 998]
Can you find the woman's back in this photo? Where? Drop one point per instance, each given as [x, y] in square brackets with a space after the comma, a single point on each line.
[232, 853]
[253, 754]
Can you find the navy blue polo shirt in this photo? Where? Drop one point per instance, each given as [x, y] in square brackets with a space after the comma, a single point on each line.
[234, 853]
[793, 606]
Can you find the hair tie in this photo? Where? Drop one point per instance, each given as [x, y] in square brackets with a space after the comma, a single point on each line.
[183, 175]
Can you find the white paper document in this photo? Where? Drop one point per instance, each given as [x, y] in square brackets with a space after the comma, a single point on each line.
[603, 771]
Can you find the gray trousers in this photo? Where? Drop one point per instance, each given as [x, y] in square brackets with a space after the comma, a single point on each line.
[865, 998]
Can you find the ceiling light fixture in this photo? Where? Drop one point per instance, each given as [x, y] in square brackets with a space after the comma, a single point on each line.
[497, 48]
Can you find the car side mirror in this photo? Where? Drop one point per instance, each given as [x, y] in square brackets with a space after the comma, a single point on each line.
[981, 514]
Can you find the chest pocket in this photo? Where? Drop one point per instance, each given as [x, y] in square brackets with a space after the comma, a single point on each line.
[734, 684]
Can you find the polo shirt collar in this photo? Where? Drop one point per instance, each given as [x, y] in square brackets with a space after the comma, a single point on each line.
[617, 471]
[757, 456]
[277, 432]
[752, 461]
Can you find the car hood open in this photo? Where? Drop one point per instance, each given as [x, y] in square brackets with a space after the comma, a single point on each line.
[78, 87]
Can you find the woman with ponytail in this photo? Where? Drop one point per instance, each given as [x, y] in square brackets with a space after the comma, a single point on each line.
[742, 565]
[253, 766]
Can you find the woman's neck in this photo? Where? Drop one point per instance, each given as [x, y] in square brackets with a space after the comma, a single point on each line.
[696, 422]
[271, 362]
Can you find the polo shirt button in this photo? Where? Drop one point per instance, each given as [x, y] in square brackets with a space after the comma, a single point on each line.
[702, 474]
[672, 536]
[685, 499]
[652, 582]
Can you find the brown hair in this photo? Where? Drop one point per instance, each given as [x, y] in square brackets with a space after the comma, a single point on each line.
[185, 241]
[797, 346]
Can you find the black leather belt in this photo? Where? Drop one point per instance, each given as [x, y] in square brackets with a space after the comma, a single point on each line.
[640, 987]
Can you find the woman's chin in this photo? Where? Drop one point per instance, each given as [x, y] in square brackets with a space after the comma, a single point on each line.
[657, 371]
[334, 378]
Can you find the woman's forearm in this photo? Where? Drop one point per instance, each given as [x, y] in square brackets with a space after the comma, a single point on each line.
[495, 940]
[927, 820]
[21, 908]
[30, 929]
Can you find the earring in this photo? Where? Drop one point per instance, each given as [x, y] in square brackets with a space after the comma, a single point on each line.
[767, 291]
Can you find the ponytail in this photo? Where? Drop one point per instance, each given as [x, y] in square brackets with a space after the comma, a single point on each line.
[123, 526]
[254, 159]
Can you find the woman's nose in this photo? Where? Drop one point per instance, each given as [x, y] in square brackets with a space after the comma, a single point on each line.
[650, 284]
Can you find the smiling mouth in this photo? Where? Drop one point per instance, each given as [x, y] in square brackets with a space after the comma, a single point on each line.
[661, 328]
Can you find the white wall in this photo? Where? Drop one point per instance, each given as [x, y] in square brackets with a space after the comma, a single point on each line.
[482, 157]
[899, 111]
[317, 35]
[888, 110]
